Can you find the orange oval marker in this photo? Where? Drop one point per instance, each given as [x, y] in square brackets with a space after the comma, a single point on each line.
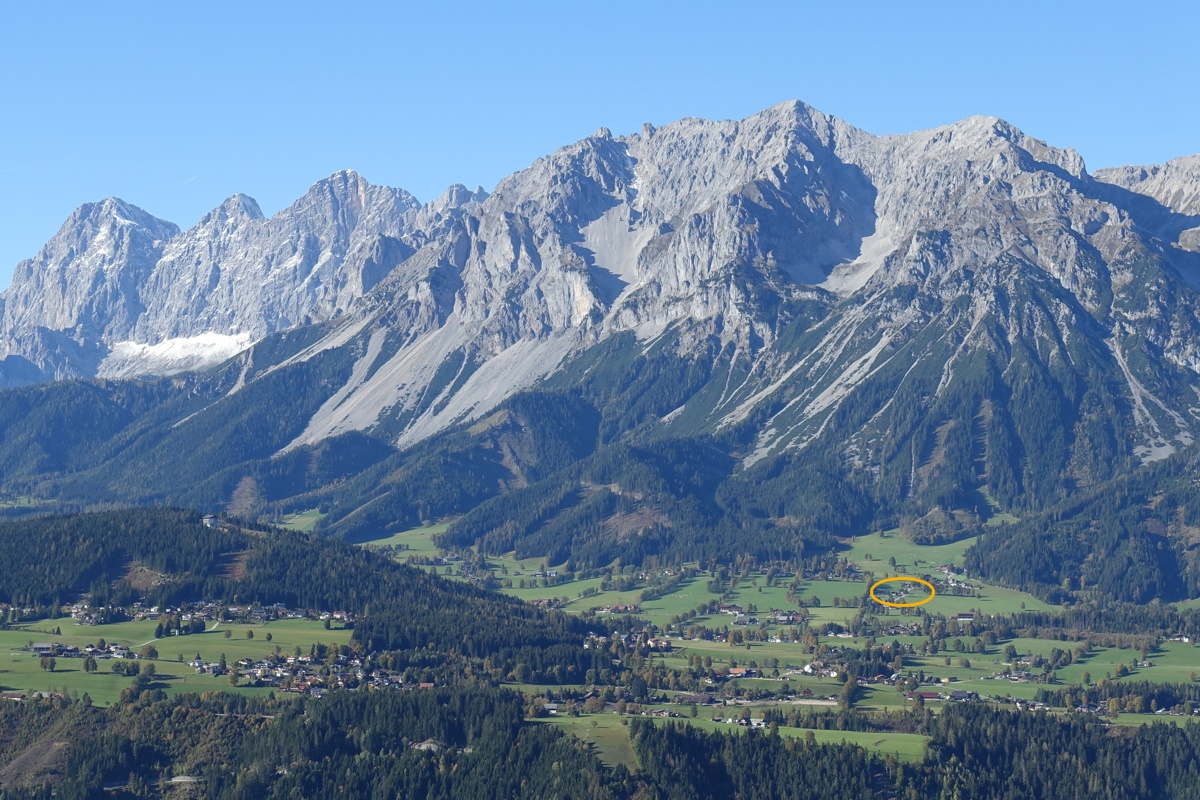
[932, 592]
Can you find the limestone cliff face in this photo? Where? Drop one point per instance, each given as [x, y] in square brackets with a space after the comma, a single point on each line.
[116, 280]
[83, 287]
[236, 271]
[825, 265]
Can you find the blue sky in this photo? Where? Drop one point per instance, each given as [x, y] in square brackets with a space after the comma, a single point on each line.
[175, 106]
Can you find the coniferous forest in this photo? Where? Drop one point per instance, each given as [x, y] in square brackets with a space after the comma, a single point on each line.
[455, 722]
[474, 742]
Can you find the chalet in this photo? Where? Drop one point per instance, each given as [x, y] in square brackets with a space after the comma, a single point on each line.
[210, 521]
[551, 708]
[732, 608]
[960, 696]
[924, 695]
[965, 616]
[743, 672]
[16, 696]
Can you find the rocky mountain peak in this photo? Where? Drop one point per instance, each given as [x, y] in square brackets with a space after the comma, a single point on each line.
[456, 196]
[113, 211]
[813, 256]
[236, 210]
[83, 284]
[1175, 184]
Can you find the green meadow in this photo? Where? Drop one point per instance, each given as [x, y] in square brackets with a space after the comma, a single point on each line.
[606, 734]
[22, 501]
[873, 551]
[303, 521]
[412, 542]
[835, 600]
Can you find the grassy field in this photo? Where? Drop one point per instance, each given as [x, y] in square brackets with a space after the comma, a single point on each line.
[607, 735]
[873, 551]
[20, 502]
[303, 521]
[1174, 663]
[21, 671]
[412, 542]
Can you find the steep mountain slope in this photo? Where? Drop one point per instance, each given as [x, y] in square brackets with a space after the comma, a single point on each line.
[853, 330]
[813, 256]
[1134, 539]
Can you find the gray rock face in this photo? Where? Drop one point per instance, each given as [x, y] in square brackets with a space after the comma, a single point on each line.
[938, 247]
[238, 272]
[1175, 184]
[82, 288]
[715, 230]
[115, 277]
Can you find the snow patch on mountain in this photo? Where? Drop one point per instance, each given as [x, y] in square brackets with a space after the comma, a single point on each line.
[172, 356]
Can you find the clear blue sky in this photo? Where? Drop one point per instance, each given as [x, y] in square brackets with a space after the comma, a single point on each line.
[175, 106]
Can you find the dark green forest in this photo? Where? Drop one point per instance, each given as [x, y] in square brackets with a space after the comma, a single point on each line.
[423, 619]
[474, 742]
[617, 456]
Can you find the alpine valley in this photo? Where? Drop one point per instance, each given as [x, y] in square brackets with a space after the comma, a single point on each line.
[704, 340]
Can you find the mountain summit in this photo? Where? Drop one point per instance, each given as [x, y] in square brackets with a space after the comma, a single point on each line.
[950, 309]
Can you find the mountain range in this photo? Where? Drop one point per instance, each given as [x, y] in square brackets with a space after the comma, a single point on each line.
[768, 332]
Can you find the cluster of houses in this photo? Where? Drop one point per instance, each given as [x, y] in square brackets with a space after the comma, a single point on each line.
[619, 608]
[1014, 675]
[845, 570]
[775, 616]
[45, 649]
[820, 669]
[305, 674]
[206, 612]
[631, 639]
[745, 722]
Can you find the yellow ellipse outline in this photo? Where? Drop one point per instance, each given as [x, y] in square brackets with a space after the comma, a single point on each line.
[932, 591]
